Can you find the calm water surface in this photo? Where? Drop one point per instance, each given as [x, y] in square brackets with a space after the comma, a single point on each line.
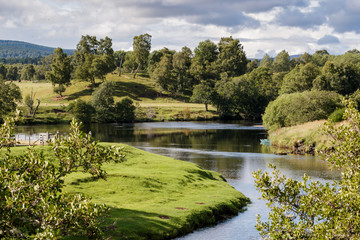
[233, 149]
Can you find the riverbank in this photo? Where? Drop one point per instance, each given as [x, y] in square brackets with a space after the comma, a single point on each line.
[307, 138]
[157, 197]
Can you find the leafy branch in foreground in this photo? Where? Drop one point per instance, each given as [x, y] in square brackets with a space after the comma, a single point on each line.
[32, 204]
[313, 210]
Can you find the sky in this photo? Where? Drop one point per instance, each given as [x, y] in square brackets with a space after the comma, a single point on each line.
[262, 26]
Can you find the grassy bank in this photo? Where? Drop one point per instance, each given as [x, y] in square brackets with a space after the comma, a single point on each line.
[303, 138]
[154, 104]
[156, 197]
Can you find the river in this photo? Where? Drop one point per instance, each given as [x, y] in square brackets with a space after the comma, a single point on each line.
[233, 149]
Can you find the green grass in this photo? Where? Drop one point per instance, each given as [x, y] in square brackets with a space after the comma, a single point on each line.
[142, 90]
[156, 197]
[310, 134]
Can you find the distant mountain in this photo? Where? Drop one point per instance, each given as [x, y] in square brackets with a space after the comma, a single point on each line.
[18, 49]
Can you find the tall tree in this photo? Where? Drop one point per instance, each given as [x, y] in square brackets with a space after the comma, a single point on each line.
[232, 57]
[282, 62]
[203, 65]
[60, 75]
[141, 50]
[93, 59]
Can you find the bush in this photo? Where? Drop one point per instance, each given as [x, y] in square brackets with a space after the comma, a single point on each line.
[81, 110]
[337, 115]
[296, 108]
[103, 102]
[124, 110]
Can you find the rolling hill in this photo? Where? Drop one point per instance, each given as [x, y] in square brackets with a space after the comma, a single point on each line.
[19, 49]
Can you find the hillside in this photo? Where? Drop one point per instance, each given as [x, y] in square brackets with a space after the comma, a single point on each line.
[18, 49]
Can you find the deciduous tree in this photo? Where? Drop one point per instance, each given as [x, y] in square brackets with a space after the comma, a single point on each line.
[305, 209]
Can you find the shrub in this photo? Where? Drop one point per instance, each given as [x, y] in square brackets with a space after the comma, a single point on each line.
[81, 110]
[296, 108]
[124, 110]
[337, 115]
[103, 102]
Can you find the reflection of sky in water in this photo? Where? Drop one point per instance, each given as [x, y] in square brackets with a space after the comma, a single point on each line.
[194, 125]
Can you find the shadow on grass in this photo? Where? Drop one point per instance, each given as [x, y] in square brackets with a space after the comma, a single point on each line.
[132, 224]
[87, 91]
[134, 90]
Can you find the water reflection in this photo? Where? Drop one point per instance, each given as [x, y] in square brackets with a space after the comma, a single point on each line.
[233, 149]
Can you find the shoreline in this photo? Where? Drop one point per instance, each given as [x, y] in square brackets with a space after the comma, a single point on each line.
[156, 197]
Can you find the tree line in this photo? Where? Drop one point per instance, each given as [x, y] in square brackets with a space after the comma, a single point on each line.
[218, 74]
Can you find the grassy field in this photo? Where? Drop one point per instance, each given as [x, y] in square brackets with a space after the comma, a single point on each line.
[142, 90]
[156, 197]
[308, 135]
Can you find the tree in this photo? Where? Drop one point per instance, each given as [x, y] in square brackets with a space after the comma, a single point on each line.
[300, 78]
[81, 110]
[10, 95]
[203, 65]
[232, 57]
[60, 73]
[12, 73]
[103, 102]
[203, 93]
[163, 73]
[282, 62]
[181, 68]
[124, 110]
[141, 50]
[266, 61]
[119, 58]
[312, 210]
[32, 203]
[28, 72]
[93, 59]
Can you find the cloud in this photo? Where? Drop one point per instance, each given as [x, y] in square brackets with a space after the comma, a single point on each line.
[328, 39]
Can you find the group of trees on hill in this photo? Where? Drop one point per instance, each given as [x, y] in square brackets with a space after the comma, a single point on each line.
[217, 74]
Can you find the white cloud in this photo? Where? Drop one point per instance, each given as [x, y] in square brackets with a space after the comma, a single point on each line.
[262, 26]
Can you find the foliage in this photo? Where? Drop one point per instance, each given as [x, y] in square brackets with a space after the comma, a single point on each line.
[124, 110]
[28, 72]
[281, 62]
[103, 102]
[60, 73]
[141, 50]
[203, 93]
[312, 210]
[31, 200]
[300, 79]
[81, 110]
[93, 58]
[9, 96]
[231, 58]
[300, 107]
[337, 115]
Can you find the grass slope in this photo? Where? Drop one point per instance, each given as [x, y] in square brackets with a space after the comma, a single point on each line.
[308, 135]
[156, 197]
[155, 104]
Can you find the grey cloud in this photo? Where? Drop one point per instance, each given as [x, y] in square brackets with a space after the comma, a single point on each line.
[328, 39]
[295, 18]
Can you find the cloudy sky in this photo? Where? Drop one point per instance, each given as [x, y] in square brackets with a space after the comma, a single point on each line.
[262, 26]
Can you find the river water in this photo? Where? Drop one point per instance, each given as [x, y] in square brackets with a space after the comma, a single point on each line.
[233, 149]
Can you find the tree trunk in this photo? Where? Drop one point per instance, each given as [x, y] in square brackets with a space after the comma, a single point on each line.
[121, 60]
[206, 106]
[36, 108]
[137, 69]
